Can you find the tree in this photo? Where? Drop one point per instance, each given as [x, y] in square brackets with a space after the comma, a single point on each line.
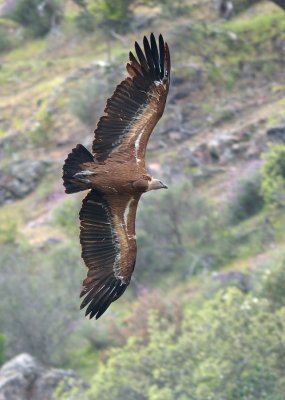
[231, 348]
[112, 15]
[169, 241]
[39, 17]
[246, 199]
[273, 176]
[38, 308]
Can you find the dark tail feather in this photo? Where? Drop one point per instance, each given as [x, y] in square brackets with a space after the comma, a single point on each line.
[78, 156]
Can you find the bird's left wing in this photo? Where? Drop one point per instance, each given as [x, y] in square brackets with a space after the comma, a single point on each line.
[107, 237]
[136, 105]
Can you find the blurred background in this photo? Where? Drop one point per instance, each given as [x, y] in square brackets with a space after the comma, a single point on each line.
[204, 316]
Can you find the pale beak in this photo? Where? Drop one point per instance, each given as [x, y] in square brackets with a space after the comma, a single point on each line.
[163, 186]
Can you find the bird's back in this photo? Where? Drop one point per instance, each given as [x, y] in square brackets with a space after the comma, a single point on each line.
[115, 176]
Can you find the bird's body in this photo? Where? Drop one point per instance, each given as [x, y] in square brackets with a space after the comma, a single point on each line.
[117, 176]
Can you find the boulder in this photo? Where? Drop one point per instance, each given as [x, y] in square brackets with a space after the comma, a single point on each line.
[276, 134]
[17, 377]
[21, 178]
[234, 278]
[24, 378]
[220, 148]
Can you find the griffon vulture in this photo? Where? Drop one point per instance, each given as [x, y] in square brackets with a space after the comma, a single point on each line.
[116, 175]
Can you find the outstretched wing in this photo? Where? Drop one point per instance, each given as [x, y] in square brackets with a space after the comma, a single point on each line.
[136, 105]
[107, 237]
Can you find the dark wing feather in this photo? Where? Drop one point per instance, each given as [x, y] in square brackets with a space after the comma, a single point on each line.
[154, 51]
[136, 105]
[108, 249]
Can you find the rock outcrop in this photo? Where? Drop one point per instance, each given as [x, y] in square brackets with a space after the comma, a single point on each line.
[276, 134]
[24, 378]
[21, 178]
[233, 278]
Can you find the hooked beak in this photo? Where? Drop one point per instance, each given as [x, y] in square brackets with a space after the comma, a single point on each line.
[163, 186]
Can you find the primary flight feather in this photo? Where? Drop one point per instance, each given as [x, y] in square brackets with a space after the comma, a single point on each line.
[117, 176]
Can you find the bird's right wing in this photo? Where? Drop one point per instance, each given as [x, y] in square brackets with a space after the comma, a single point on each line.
[107, 237]
[136, 105]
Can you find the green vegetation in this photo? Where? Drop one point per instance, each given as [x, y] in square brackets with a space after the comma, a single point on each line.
[42, 130]
[2, 348]
[271, 282]
[208, 240]
[273, 176]
[233, 50]
[85, 22]
[8, 230]
[112, 14]
[88, 99]
[5, 41]
[39, 315]
[171, 242]
[215, 353]
[246, 199]
[85, 105]
[182, 330]
[65, 216]
[36, 16]
[172, 8]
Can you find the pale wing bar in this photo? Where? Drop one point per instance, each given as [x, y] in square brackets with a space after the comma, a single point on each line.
[100, 252]
[132, 96]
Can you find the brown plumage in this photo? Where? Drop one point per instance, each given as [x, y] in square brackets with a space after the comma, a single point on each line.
[117, 176]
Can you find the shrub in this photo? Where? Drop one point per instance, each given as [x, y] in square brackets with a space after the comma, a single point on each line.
[8, 230]
[38, 307]
[246, 199]
[231, 348]
[5, 41]
[87, 103]
[42, 129]
[273, 176]
[271, 283]
[37, 16]
[169, 242]
[135, 323]
[2, 349]
[85, 22]
[68, 389]
[66, 217]
[111, 14]
[171, 8]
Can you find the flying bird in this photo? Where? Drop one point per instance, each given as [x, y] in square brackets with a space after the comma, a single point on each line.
[116, 176]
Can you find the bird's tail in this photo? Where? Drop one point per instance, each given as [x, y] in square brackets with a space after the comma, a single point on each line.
[74, 179]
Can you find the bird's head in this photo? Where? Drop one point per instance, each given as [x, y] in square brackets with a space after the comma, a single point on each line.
[154, 184]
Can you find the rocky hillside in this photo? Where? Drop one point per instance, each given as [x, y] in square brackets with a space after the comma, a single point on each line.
[222, 101]
[219, 226]
[25, 378]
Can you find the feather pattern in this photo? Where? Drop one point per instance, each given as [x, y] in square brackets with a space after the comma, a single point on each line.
[136, 105]
[117, 175]
[108, 249]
